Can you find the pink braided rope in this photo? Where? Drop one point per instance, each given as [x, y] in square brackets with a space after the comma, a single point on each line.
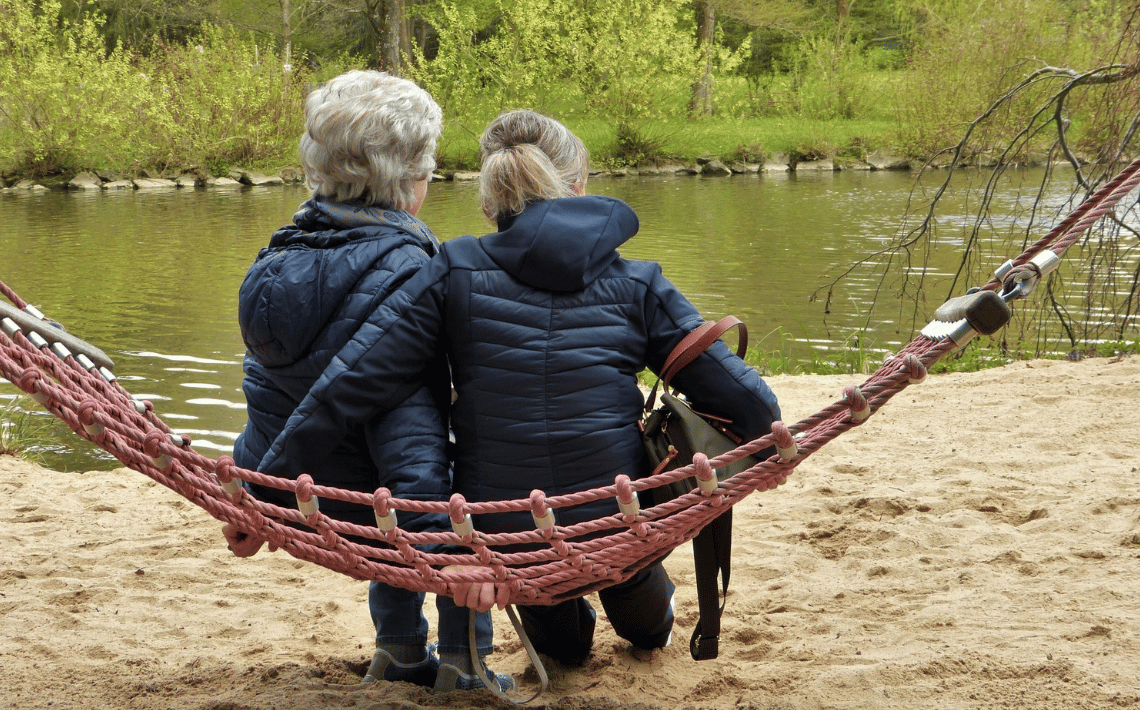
[1070, 229]
[568, 561]
[558, 563]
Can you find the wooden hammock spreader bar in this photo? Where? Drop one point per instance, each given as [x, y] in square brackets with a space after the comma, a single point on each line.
[565, 562]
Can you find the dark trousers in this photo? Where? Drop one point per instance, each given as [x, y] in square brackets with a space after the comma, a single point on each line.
[638, 609]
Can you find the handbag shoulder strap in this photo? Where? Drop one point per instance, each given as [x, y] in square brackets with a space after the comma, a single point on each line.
[691, 347]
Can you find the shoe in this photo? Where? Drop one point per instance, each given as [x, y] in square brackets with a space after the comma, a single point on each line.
[451, 678]
[384, 667]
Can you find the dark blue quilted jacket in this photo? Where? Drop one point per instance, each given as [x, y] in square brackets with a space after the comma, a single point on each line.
[304, 297]
[546, 328]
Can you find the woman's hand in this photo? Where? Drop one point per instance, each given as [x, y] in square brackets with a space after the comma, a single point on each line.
[479, 596]
[241, 544]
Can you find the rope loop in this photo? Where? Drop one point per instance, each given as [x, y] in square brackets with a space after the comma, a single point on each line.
[152, 446]
[29, 381]
[231, 484]
[706, 477]
[860, 408]
[86, 412]
[307, 503]
[626, 498]
[460, 518]
[86, 416]
[785, 443]
[380, 501]
[542, 514]
[915, 370]
[385, 515]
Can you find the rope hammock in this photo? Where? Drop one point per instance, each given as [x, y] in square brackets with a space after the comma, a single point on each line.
[75, 382]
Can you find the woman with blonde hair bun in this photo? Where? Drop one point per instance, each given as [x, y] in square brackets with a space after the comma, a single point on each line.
[546, 328]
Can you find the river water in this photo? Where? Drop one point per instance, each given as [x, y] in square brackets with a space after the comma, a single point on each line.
[151, 277]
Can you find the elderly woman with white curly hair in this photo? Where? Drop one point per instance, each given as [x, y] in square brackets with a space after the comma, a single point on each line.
[368, 153]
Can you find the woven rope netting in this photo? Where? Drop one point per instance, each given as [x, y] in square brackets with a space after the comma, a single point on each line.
[559, 562]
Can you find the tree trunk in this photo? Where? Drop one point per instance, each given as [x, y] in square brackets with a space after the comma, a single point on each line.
[287, 35]
[390, 16]
[701, 104]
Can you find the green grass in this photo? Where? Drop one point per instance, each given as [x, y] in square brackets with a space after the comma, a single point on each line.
[22, 433]
[686, 140]
[740, 124]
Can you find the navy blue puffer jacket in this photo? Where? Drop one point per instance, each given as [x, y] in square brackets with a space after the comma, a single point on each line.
[546, 328]
[302, 300]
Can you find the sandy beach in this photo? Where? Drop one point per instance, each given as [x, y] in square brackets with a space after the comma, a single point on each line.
[975, 544]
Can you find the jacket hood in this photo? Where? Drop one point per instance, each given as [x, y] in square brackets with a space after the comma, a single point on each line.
[297, 287]
[562, 244]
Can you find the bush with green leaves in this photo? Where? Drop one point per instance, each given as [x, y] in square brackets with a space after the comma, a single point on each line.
[615, 59]
[226, 100]
[963, 60]
[65, 101]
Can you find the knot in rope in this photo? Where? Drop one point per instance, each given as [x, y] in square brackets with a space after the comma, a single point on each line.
[706, 477]
[625, 494]
[29, 382]
[785, 443]
[307, 503]
[460, 518]
[231, 484]
[915, 370]
[541, 512]
[86, 416]
[86, 412]
[152, 447]
[380, 501]
[385, 515]
[860, 408]
[628, 503]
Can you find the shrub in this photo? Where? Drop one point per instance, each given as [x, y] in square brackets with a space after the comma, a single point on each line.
[65, 101]
[226, 100]
[633, 145]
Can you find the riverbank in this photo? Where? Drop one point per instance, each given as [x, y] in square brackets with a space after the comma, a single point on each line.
[974, 544]
[708, 166]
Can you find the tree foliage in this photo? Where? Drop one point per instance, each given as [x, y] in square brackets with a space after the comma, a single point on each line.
[62, 94]
[615, 56]
[67, 103]
[1083, 123]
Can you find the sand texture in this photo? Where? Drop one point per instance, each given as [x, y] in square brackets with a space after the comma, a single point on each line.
[975, 544]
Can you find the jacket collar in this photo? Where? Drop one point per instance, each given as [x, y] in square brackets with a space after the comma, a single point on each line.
[326, 223]
[562, 244]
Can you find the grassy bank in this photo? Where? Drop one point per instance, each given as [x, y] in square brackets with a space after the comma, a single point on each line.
[745, 139]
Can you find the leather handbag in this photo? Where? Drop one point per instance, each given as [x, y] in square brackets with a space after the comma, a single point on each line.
[672, 433]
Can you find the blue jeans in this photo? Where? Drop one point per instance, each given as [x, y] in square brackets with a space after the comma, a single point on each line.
[398, 617]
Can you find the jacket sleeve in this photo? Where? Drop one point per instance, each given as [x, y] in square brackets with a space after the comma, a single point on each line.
[718, 382]
[373, 373]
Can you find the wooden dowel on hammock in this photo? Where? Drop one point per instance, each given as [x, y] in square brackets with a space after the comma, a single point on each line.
[31, 320]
